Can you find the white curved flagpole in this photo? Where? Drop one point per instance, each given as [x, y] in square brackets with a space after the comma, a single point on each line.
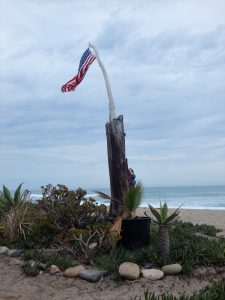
[112, 114]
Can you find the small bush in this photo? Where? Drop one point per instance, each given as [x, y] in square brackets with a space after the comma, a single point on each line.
[67, 209]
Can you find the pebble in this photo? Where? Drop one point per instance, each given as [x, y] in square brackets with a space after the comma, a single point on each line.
[30, 263]
[152, 274]
[10, 252]
[14, 253]
[92, 246]
[129, 270]
[172, 269]
[3, 249]
[59, 274]
[73, 272]
[92, 275]
[54, 269]
[43, 266]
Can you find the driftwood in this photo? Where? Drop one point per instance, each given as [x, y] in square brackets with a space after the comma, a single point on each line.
[117, 164]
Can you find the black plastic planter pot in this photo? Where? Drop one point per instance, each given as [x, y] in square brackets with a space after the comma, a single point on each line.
[135, 233]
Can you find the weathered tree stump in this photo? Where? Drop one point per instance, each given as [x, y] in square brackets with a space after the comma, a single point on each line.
[117, 164]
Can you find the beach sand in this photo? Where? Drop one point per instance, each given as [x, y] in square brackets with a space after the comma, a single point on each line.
[14, 285]
[196, 216]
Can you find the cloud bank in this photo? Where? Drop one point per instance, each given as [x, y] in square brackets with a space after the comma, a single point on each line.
[166, 64]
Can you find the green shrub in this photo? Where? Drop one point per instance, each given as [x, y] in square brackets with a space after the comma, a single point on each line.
[68, 209]
[9, 201]
[41, 233]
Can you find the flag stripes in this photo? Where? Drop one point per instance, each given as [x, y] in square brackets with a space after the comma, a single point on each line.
[86, 60]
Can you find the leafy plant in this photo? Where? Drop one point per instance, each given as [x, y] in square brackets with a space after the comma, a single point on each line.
[133, 198]
[85, 243]
[131, 201]
[67, 209]
[41, 232]
[13, 212]
[162, 219]
[60, 210]
[9, 201]
[14, 223]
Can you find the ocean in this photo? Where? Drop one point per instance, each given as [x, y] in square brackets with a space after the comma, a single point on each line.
[192, 197]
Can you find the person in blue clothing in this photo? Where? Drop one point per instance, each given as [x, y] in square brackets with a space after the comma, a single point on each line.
[131, 177]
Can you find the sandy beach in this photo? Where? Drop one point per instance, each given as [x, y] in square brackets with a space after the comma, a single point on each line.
[14, 285]
[197, 216]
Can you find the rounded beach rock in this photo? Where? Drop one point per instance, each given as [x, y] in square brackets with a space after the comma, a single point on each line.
[73, 272]
[14, 253]
[152, 274]
[92, 275]
[172, 269]
[10, 252]
[129, 270]
[54, 269]
[3, 249]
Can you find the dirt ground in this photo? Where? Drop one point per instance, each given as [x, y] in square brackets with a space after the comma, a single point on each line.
[14, 285]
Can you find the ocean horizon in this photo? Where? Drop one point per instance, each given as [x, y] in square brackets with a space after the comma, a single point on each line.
[189, 197]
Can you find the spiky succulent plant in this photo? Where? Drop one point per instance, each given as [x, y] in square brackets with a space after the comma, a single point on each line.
[163, 220]
[9, 201]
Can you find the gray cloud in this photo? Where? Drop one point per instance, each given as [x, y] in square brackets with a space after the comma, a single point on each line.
[167, 79]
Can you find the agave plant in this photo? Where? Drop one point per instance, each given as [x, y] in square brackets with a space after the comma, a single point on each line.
[163, 220]
[13, 212]
[8, 201]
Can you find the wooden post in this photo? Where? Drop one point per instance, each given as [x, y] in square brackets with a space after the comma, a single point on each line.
[117, 164]
[116, 148]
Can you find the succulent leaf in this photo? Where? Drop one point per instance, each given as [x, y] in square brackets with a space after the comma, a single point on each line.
[17, 194]
[156, 214]
[162, 216]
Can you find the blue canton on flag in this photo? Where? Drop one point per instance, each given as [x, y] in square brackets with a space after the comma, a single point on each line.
[86, 60]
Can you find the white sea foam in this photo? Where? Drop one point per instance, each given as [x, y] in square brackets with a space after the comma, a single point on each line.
[196, 197]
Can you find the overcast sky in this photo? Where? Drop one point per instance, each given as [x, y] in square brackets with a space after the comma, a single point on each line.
[166, 64]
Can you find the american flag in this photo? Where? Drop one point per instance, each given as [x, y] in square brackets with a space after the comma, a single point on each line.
[85, 62]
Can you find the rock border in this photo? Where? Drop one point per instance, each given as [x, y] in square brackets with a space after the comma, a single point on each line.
[127, 270]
